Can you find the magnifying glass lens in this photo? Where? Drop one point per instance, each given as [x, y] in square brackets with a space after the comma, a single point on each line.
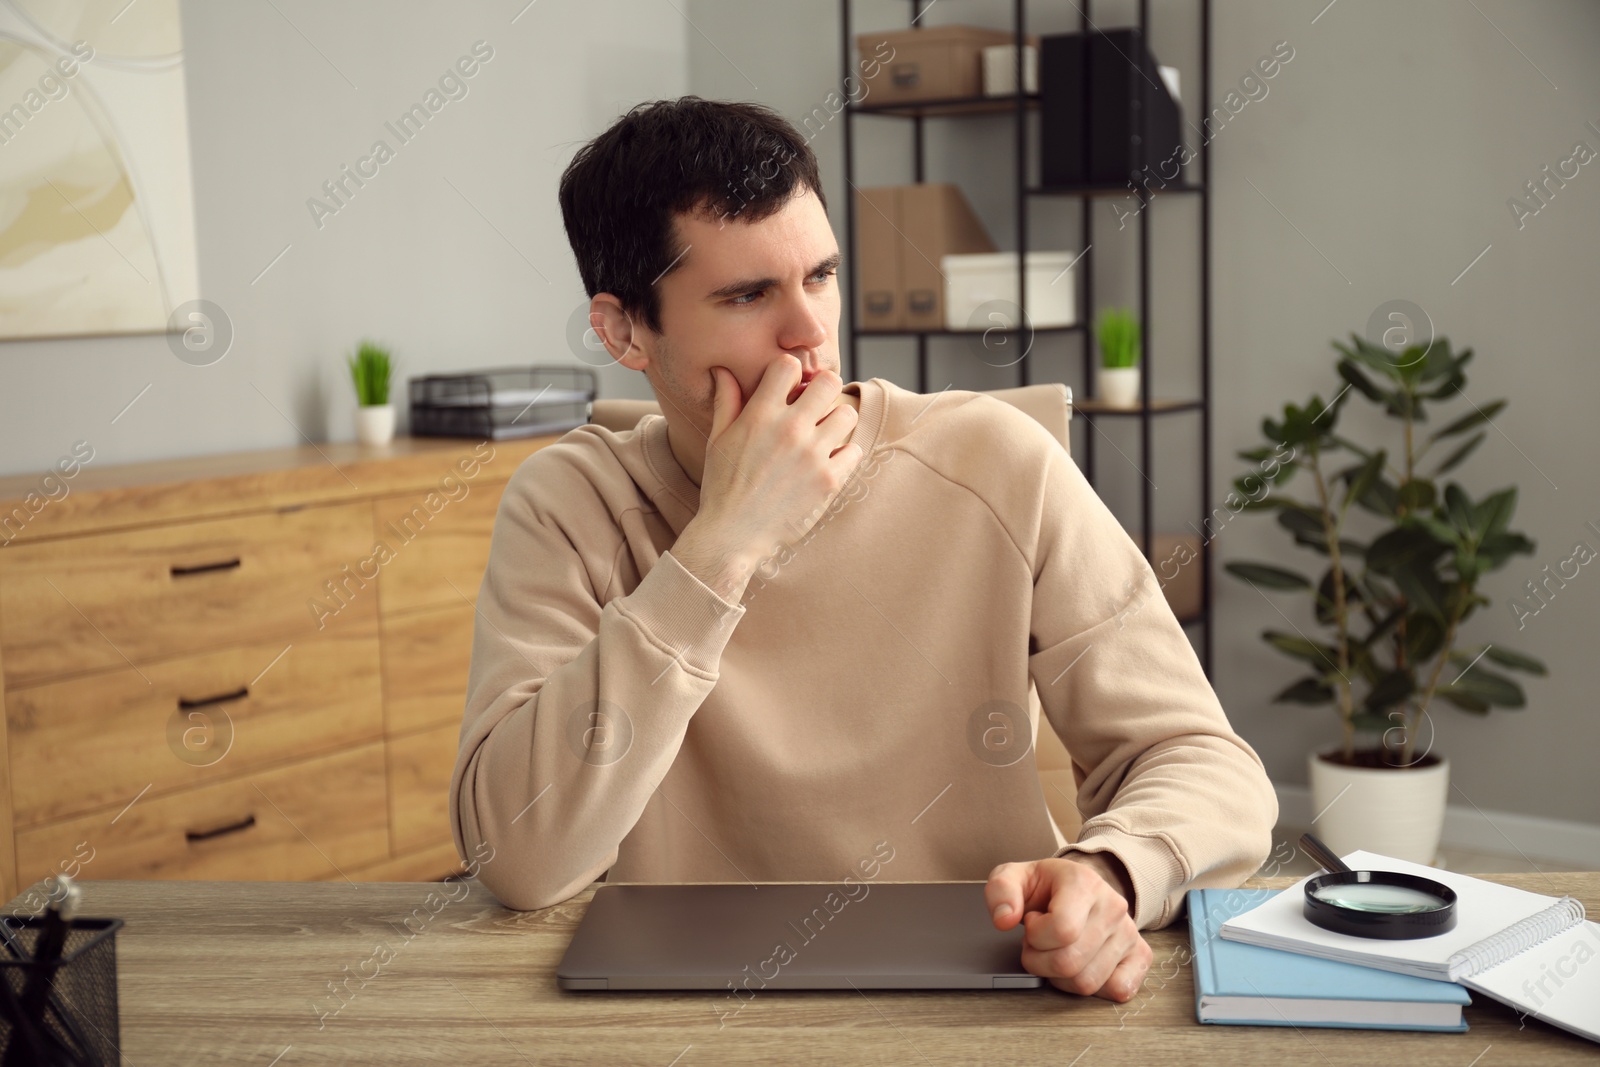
[1390, 899]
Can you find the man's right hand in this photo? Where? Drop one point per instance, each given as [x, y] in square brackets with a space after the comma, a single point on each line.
[771, 467]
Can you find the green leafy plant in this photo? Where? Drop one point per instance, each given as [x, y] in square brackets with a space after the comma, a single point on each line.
[1390, 605]
[1118, 331]
[369, 370]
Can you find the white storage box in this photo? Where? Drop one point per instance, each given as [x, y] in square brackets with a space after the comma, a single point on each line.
[970, 281]
[1000, 69]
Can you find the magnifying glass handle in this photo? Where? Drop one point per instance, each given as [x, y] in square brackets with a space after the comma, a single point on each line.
[1322, 854]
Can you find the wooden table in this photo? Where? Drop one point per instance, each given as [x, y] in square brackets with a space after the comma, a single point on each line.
[240, 973]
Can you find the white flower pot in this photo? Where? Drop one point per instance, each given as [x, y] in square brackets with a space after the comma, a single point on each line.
[375, 424]
[1119, 386]
[1393, 811]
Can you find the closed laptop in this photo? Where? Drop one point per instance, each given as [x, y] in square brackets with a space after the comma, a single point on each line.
[746, 937]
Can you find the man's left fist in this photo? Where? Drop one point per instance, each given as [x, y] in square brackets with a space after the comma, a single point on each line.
[1077, 930]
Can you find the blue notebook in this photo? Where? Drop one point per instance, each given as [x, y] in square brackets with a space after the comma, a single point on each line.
[1246, 985]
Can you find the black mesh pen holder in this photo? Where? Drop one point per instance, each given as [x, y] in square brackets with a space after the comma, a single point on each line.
[73, 1019]
[502, 402]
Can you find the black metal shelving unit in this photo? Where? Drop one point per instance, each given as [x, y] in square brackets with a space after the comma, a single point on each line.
[1018, 103]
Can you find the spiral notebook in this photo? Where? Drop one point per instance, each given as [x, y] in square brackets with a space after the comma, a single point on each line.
[1535, 953]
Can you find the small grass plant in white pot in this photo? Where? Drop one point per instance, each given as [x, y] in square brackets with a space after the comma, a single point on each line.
[370, 370]
[1118, 333]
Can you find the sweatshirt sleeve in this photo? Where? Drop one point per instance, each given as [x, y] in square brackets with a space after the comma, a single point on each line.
[1165, 785]
[574, 711]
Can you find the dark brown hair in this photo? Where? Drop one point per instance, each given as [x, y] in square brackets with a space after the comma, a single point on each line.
[619, 194]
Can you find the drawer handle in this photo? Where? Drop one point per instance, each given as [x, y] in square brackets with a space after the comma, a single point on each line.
[232, 828]
[225, 565]
[237, 694]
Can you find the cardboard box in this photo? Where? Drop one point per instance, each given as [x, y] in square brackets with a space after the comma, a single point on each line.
[936, 221]
[926, 64]
[902, 233]
[881, 303]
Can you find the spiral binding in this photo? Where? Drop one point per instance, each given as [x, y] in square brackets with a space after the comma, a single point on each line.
[1517, 938]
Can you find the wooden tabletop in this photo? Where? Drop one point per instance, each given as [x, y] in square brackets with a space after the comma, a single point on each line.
[242, 972]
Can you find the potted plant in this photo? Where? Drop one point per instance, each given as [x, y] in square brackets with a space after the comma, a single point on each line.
[1389, 604]
[369, 370]
[1118, 332]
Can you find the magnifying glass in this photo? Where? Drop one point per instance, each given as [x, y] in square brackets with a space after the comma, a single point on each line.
[1380, 904]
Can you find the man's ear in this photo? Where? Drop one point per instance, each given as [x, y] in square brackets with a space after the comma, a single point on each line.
[616, 331]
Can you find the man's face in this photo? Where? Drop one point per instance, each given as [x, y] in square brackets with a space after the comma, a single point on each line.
[743, 295]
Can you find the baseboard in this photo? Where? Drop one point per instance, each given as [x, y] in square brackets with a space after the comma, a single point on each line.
[1574, 844]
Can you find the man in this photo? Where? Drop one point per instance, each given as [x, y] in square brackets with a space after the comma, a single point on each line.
[781, 621]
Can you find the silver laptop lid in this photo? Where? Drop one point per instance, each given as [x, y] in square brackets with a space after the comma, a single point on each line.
[788, 935]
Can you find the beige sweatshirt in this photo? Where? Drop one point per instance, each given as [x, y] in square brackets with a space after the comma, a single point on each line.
[868, 695]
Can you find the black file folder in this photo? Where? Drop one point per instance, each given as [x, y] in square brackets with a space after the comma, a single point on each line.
[1105, 115]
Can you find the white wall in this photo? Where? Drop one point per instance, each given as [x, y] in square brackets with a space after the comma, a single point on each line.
[1388, 145]
[409, 260]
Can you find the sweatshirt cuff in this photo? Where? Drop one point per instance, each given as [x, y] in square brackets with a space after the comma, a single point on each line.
[681, 614]
[1108, 866]
[1153, 869]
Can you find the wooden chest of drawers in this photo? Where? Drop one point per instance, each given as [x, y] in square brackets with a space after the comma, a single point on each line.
[249, 666]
